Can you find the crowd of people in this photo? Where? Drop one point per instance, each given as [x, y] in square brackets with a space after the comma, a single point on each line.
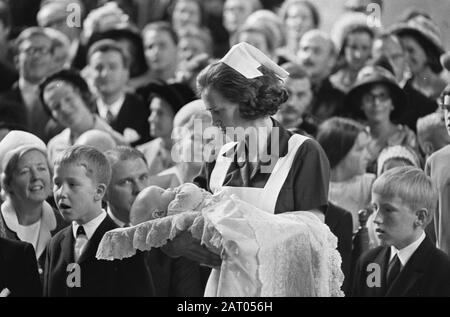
[102, 99]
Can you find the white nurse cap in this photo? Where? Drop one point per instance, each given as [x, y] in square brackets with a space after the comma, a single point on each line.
[246, 59]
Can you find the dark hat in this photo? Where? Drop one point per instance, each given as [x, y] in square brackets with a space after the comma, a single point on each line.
[445, 61]
[139, 63]
[176, 95]
[73, 77]
[427, 34]
[368, 76]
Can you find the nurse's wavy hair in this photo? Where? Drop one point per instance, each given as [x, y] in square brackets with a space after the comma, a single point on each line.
[257, 98]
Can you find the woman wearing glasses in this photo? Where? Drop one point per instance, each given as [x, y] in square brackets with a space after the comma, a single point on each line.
[377, 100]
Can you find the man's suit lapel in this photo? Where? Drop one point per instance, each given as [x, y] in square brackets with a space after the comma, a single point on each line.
[67, 245]
[412, 272]
[92, 246]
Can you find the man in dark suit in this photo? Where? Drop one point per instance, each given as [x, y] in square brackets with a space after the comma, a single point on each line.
[18, 270]
[172, 277]
[125, 112]
[408, 264]
[34, 60]
[317, 55]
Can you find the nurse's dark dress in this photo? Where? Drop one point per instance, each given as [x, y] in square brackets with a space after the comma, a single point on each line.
[305, 187]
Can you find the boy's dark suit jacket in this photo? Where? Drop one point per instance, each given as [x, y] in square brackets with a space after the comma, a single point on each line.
[127, 277]
[18, 269]
[427, 273]
[133, 114]
[9, 234]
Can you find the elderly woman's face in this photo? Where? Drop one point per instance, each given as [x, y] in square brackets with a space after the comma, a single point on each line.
[66, 104]
[377, 103]
[30, 181]
[298, 21]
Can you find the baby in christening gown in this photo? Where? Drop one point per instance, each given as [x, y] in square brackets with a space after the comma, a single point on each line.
[293, 254]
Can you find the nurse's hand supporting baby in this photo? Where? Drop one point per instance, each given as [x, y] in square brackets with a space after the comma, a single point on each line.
[186, 246]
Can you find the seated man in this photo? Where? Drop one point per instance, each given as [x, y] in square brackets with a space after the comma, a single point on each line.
[130, 176]
[408, 264]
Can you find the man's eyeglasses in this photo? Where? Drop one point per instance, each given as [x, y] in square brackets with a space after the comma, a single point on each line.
[33, 51]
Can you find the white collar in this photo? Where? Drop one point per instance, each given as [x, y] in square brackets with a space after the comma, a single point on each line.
[405, 254]
[48, 223]
[114, 107]
[118, 222]
[91, 226]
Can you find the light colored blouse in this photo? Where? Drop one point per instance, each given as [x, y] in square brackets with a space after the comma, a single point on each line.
[352, 195]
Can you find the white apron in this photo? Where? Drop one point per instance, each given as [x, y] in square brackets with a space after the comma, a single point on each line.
[262, 198]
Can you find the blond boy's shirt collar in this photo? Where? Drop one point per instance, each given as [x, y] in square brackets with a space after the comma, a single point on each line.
[91, 226]
[406, 253]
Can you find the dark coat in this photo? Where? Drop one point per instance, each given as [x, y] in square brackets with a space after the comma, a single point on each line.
[426, 274]
[99, 278]
[18, 269]
[133, 114]
[9, 234]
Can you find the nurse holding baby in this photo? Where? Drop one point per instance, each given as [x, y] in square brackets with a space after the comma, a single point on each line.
[266, 166]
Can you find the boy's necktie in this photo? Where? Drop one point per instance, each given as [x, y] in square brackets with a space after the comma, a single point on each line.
[393, 270]
[80, 243]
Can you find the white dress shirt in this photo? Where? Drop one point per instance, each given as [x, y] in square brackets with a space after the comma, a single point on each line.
[89, 227]
[406, 253]
[114, 108]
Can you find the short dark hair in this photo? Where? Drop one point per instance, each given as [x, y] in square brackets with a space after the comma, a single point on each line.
[337, 137]
[124, 153]
[258, 97]
[97, 166]
[108, 45]
[161, 26]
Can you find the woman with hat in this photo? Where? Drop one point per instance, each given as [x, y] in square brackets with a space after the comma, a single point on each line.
[26, 184]
[377, 100]
[165, 101]
[67, 98]
[355, 47]
[266, 166]
[420, 38]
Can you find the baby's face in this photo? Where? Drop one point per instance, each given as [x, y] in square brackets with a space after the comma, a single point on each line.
[151, 204]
